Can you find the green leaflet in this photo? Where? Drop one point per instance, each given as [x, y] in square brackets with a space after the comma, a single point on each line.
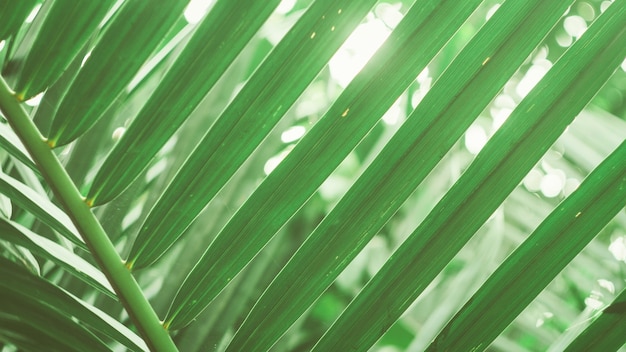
[54, 39]
[12, 16]
[103, 251]
[77, 266]
[12, 144]
[42, 208]
[24, 318]
[423, 31]
[269, 93]
[607, 332]
[468, 85]
[112, 64]
[18, 281]
[536, 123]
[534, 264]
[214, 45]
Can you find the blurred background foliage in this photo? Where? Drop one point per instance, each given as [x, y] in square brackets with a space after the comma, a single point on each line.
[578, 294]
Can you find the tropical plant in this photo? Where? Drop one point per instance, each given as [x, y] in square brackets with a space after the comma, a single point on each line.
[331, 175]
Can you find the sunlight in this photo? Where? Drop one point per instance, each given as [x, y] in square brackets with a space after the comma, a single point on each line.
[618, 249]
[85, 59]
[363, 42]
[33, 13]
[571, 184]
[607, 285]
[475, 139]
[425, 81]
[35, 101]
[586, 11]
[564, 40]
[605, 5]
[545, 316]
[357, 50]
[492, 10]
[118, 133]
[575, 26]
[197, 9]
[292, 134]
[501, 110]
[532, 181]
[394, 114]
[551, 185]
[389, 13]
[534, 74]
[500, 116]
[285, 6]
[273, 162]
[594, 301]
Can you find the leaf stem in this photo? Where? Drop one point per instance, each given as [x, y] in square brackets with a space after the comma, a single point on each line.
[128, 291]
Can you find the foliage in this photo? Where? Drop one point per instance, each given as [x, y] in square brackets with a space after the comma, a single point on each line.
[326, 174]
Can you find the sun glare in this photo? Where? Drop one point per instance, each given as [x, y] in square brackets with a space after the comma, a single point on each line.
[197, 9]
[285, 6]
[534, 74]
[33, 13]
[292, 134]
[35, 101]
[357, 50]
[475, 139]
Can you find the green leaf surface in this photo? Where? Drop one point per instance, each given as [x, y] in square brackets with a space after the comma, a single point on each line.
[20, 282]
[214, 45]
[269, 93]
[103, 251]
[20, 334]
[65, 29]
[25, 318]
[607, 332]
[112, 64]
[12, 16]
[462, 92]
[77, 266]
[418, 37]
[41, 207]
[530, 130]
[534, 264]
[23, 256]
[11, 143]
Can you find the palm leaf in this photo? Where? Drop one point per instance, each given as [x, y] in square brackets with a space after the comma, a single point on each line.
[319, 153]
[12, 15]
[175, 129]
[606, 332]
[161, 116]
[557, 240]
[120, 51]
[63, 257]
[443, 115]
[57, 35]
[40, 207]
[11, 143]
[24, 318]
[269, 93]
[26, 285]
[513, 150]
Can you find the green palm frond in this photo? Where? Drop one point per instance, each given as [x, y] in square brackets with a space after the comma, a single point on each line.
[312, 175]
